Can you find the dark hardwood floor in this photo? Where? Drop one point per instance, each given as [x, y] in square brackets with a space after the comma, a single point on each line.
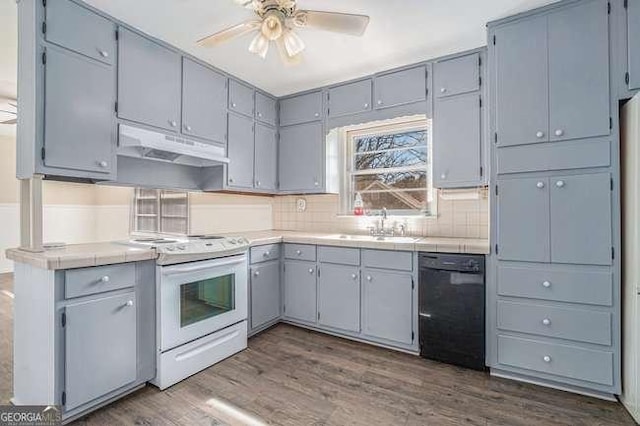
[291, 376]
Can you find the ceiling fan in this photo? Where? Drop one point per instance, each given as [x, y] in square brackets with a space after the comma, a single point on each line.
[277, 21]
[8, 111]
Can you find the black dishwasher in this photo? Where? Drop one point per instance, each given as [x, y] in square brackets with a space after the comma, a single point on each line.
[452, 309]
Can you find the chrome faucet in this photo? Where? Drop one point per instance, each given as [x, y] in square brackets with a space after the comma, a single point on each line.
[383, 219]
[379, 230]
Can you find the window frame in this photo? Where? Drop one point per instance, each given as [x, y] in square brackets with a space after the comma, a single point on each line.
[349, 134]
[159, 215]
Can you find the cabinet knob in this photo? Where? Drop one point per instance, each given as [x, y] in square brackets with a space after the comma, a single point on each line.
[546, 358]
[369, 278]
[233, 104]
[173, 123]
[298, 252]
[256, 274]
[560, 184]
[540, 135]
[443, 176]
[546, 284]
[129, 303]
[540, 185]
[311, 270]
[187, 128]
[103, 53]
[559, 132]
[443, 90]
[266, 253]
[103, 164]
[317, 114]
[260, 114]
[379, 101]
[354, 276]
[316, 183]
[366, 105]
[105, 279]
[230, 180]
[257, 183]
[546, 321]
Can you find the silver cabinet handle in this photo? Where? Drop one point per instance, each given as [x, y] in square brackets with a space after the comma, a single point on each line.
[559, 132]
[298, 252]
[443, 90]
[560, 184]
[233, 104]
[443, 176]
[173, 123]
[311, 270]
[546, 321]
[317, 114]
[266, 253]
[105, 279]
[128, 303]
[315, 181]
[354, 276]
[103, 53]
[260, 114]
[257, 183]
[187, 128]
[540, 185]
[424, 315]
[546, 358]
[103, 164]
[366, 105]
[256, 274]
[546, 284]
[540, 135]
[369, 278]
[379, 101]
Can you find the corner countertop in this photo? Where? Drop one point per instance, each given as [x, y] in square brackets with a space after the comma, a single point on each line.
[106, 253]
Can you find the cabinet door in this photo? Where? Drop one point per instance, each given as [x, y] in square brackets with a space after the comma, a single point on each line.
[523, 219]
[456, 141]
[81, 30]
[579, 71]
[204, 102]
[581, 223]
[266, 161]
[300, 291]
[149, 77]
[300, 157]
[401, 87]
[350, 98]
[388, 306]
[633, 37]
[522, 102]
[265, 293]
[241, 98]
[301, 109]
[240, 149]
[339, 297]
[100, 347]
[266, 109]
[79, 130]
[457, 75]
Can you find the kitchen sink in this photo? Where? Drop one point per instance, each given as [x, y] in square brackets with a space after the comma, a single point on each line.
[370, 238]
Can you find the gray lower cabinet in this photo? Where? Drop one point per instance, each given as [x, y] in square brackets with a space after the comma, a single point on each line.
[350, 98]
[266, 158]
[204, 102]
[149, 77]
[339, 297]
[387, 305]
[633, 40]
[79, 129]
[400, 87]
[265, 293]
[301, 109]
[300, 161]
[300, 294]
[240, 149]
[100, 347]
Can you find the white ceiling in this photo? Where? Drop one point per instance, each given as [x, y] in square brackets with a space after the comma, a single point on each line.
[401, 32]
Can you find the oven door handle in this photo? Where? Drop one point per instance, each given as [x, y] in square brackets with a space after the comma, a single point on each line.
[172, 270]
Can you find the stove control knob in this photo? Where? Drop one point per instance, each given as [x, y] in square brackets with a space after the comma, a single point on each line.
[182, 248]
[170, 248]
[232, 241]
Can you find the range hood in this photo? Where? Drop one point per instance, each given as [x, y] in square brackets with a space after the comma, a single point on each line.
[152, 145]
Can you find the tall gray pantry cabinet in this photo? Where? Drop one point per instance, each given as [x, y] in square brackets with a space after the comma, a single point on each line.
[553, 295]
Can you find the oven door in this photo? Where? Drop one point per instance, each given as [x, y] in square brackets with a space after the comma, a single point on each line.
[199, 298]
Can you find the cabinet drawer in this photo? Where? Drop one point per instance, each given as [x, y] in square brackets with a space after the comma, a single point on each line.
[457, 75]
[85, 281]
[558, 283]
[338, 255]
[300, 252]
[561, 360]
[81, 30]
[381, 259]
[576, 324]
[265, 253]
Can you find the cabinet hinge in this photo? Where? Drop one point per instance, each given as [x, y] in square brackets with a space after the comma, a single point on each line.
[613, 253]
[44, 27]
[44, 3]
[63, 400]
[481, 171]
[612, 184]
[284, 308]
[480, 81]
[626, 4]
[42, 153]
[609, 8]
[116, 107]
[496, 190]
[497, 251]
[626, 78]
[63, 319]
[413, 283]
[480, 102]
[610, 123]
[318, 271]
[479, 61]
[413, 336]
[494, 40]
[44, 57]
[318, 315]
[495, 137]
[117, 35]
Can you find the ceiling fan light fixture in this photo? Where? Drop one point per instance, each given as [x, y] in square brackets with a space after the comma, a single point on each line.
[259, 45]
[272, 26]
[292, 43]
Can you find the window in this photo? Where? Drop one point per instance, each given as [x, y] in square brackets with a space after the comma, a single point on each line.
[390, 166]
[160, 211]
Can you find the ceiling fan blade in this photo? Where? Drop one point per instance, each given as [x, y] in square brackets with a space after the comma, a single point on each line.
[345, 23]
[284, 55]
[229, 33]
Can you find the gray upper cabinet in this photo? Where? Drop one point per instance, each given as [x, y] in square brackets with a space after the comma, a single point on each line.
[266, 158]
[579, 71]
[204, 102]
[581, 219]
[241, 98]
[456, 141]
[100, 347]
[633, 37]
[79, 130]
[266, 109]
[457, 75]
[350, 98]
[300, 295]
[81, 30]
[149, 77]
[339, 297]
[300, 157]
[400, 87]
[521, 84]
[523, 219]
[301, 109]
[265, 293]
[388, 306]
[240, 149]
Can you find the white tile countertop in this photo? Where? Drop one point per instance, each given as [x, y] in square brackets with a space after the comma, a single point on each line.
[96, 254]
